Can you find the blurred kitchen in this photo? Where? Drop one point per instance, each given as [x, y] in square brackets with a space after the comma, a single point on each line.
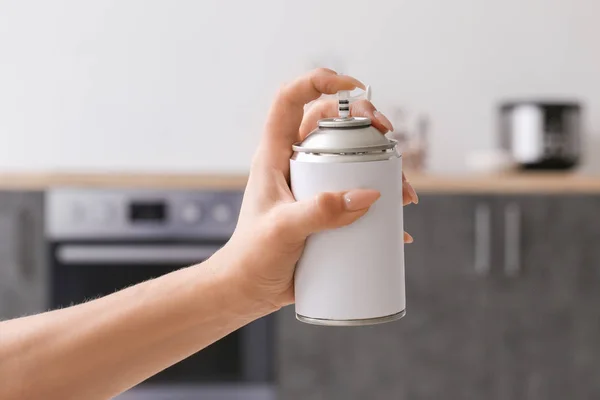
[113, 108]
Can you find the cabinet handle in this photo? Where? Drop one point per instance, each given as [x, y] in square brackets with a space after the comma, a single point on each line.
[512, 240]
[483, 237]
[25, 254]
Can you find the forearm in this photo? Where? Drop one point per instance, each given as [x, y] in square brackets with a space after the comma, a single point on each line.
[98, 349]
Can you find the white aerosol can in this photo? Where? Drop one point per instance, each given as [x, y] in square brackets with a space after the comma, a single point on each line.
[352, 275]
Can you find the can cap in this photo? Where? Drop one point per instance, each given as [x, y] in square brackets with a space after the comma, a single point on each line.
[345, 134]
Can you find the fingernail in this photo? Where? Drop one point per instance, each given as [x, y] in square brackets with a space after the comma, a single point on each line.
[359, 199]
[408, 238]
[411, 190]
[413, 194]
[384, 121]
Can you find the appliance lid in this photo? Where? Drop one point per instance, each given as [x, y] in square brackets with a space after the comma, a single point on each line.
[561, 103]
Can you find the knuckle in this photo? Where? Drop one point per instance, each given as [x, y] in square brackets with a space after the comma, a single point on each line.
[320, 79]
[328, 85]
[322, 71]
[323, 80]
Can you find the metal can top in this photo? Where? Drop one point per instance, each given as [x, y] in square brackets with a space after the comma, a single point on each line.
[344, 135]
[348, 122]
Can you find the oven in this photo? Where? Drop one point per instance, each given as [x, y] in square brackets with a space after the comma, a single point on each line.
[105, 240]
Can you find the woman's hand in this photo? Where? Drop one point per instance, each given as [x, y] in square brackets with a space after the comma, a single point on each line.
[272, 226]
[100, 348]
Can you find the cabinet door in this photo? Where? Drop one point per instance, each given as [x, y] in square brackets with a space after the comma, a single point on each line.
[23, 276]
[541, 323]
[586, 357]
[447, 267]
[436, 350]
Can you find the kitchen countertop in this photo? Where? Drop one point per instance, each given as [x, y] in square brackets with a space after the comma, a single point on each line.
[423, 183]
[122, 180]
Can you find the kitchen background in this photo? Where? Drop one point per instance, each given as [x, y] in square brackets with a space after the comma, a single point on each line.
[110, 107]
[193, 79]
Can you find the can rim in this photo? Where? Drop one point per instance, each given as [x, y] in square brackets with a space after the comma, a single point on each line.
[364, 149]
[351, 322]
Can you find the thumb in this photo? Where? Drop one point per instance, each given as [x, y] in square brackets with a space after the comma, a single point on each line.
[329, 210]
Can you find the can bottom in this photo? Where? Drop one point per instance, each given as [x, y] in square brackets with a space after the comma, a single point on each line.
[351, 322]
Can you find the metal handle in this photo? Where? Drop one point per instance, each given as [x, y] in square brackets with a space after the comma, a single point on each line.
[131, 254]
[512, 240]
[25, 251]
[483, 237]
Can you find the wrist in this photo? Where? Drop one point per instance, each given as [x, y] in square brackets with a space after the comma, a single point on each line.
[241, 291]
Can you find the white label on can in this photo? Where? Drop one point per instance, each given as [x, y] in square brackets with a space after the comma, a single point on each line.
[357, 271]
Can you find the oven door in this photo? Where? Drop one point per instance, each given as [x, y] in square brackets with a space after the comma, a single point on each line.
[242, 360]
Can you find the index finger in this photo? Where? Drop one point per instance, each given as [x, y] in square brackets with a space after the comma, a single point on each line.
[285, 115]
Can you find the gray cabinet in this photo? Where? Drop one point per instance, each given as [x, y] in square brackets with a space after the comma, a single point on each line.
[439, 341]
[587, 323]
[23, 276]
[543, 344]
[502, 303]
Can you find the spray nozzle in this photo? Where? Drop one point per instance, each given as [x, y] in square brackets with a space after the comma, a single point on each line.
[344, 100]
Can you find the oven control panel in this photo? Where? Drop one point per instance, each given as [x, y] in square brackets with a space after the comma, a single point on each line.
[102, 213]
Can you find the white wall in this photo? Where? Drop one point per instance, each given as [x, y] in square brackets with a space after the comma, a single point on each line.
[184, 85]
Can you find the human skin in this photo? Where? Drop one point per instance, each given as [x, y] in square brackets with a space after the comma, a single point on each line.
[103, 347]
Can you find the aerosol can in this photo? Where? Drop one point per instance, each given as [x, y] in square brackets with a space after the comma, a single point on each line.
[352, 275]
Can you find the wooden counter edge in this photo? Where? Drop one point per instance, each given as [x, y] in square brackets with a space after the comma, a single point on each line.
[33, 181]
[423, 183]
[560, 183]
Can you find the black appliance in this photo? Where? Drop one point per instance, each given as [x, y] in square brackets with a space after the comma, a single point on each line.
[542, 135]
[105, 240]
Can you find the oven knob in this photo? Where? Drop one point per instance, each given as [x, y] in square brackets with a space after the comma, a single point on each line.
[222, 213]
[191, 213]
